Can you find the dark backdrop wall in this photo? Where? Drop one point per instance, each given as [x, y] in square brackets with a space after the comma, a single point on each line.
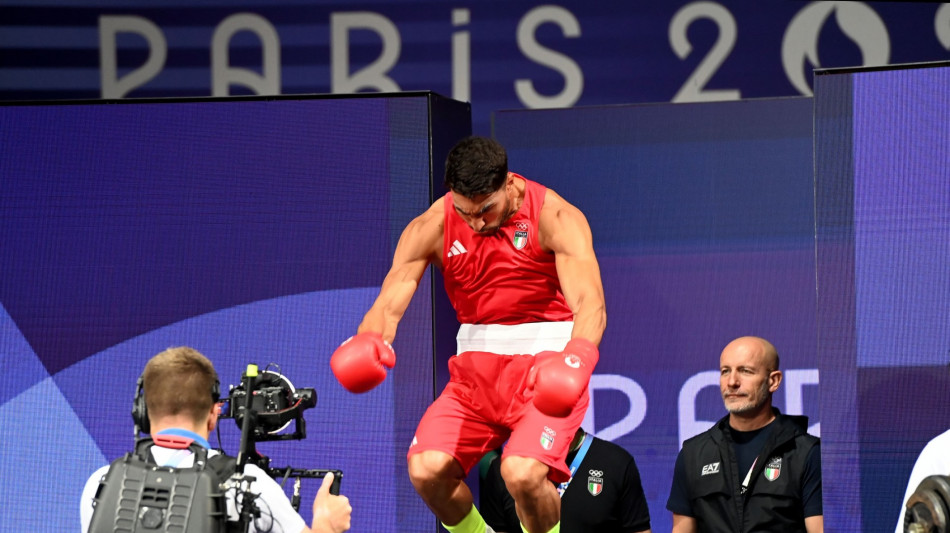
[257, 231]
[883, 234]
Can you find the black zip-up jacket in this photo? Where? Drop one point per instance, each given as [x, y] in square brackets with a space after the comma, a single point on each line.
[773, 500]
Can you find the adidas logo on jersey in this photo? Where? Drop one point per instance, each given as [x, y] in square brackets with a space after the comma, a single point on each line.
[456, 249]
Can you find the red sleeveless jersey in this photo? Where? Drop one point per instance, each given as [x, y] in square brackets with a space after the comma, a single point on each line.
[505, 277]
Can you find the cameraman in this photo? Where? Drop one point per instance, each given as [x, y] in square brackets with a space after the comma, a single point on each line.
[178, 385]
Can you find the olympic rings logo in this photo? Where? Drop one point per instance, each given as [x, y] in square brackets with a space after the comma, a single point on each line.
[596, 473]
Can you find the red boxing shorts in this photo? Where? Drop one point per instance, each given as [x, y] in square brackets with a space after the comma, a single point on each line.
[485, 404]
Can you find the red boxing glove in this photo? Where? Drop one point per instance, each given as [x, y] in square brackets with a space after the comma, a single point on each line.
[559, 379]
[360, 363]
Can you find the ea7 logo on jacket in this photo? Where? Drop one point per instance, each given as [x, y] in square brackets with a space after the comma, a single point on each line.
[711, 468]
[773, 469]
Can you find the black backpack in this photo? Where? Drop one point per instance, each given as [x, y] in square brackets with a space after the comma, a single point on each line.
[138, 496]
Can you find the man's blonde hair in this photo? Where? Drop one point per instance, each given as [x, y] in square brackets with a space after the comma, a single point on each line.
[179, 381]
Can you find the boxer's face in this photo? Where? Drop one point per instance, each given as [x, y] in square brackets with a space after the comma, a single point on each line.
[484, 213]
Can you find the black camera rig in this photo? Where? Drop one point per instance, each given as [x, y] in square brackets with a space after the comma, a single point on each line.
[262, 416]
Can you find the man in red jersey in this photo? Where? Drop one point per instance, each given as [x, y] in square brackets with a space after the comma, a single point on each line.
[520, 271]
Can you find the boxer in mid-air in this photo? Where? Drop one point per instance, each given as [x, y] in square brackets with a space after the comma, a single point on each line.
[520, 271]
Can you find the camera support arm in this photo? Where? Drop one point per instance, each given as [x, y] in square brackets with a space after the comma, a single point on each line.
[250, 416]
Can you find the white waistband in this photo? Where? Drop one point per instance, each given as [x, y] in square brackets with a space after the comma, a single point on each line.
[529, 338]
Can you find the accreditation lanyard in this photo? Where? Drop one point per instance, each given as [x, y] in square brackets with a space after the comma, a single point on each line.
[748, 477]
[576, 463]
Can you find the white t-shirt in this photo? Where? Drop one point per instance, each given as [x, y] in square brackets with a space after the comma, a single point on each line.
[274, 505]
[933, 460]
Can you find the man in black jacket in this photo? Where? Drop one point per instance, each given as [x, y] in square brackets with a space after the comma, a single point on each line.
[604, 494]
[756, 470]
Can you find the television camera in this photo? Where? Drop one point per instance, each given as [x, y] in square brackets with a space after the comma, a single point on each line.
[263, 416]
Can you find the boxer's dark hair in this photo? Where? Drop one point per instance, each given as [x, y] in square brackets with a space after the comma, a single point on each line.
[476, 166]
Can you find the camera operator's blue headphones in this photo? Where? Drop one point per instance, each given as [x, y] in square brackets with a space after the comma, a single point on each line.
[140, 410]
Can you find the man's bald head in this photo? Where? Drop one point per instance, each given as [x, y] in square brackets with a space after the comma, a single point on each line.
[760, 348]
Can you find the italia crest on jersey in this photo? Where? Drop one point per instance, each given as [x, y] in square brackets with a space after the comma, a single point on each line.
[520, 239]
[546, 441]
[595, 482]
[773, 469]
[547, 438]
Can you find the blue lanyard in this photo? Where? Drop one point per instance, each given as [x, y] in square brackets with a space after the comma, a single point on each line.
[576, 463]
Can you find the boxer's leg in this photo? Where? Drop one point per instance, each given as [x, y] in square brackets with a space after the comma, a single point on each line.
[533, 457]
[440, 481]
[451, 438]
[536, 500]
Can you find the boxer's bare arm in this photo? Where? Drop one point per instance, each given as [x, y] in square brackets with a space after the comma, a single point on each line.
[419, 245]
[563, 229]
[684, 524]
